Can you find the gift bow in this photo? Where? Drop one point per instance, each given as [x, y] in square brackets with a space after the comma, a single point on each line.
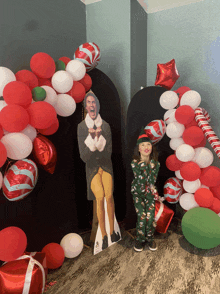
[160, 211]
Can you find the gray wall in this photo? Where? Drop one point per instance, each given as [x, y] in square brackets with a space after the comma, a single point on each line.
[56, 27]
[191, 35]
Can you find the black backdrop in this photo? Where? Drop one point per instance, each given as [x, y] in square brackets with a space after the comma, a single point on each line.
[58, 204]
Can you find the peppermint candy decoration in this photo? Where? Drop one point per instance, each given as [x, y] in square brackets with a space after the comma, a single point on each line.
[202, 118]
[172, 190]
[89, 54]
[155, 130]
[20, 180]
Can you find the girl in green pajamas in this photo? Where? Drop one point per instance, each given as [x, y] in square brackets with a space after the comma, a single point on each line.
[145, 167]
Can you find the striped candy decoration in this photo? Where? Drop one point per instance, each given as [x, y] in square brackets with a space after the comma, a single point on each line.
[202, 118]
[89, 54]
[155, 130]
[20, 179]
[172, 190]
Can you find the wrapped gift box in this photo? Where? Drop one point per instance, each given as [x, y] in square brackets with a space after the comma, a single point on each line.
[163, 216]
[25, 275]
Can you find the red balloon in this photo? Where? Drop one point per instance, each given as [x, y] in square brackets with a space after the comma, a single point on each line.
[210, 176]
[14, 118]
[51, 130]
[190, 171]
[44, 82]
[181, 90]
[3, 154]
[42, 114]
[27, 77]
[193, 136]
[202, 144]
[215, 205]
[43, 65]
[184, 114]
[167, 74]
[13, 243]
[1, 132]
[78, 92]
[45, 153]
[86, 81]
[173, 163]
[204, 197]
[17, 93]
[54, 255]
[65, 59]
[216, 191]
[191, 124]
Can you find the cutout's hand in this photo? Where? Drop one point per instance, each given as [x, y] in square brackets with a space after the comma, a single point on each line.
[98, 132]
[92, 132]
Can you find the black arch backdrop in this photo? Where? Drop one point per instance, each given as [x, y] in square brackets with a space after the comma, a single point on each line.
[58, 204]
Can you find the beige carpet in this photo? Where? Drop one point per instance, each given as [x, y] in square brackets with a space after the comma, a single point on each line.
[176, 267]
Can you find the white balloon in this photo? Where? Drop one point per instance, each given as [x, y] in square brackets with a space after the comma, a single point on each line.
[203, 157]
[1, 180]
[175, 130]
[176, 142]
[65, 105]
[169, 116]
[2, 104]
[77, 69]
[185, 152]
[30, 131]
[51, 95]
[191, 98]
[62, 81]
[18, 145]
[191, 186]
[178, 175]
[169, 100]
[72, 245]
[187, 201]
[6, 76]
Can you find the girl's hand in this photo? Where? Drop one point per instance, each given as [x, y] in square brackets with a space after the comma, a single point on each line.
[140, 162]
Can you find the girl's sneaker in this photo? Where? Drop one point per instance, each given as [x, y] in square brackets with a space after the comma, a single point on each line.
[138, 246]
[153, 246]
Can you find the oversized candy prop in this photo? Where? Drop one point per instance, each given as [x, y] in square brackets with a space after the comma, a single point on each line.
[163, 216]
[201, 227]
[202, 117]
[29, 272]
[89, 54]
[45, 153]
[167, 74]
[20, 179]
[54, 255]
[13, 243]
[155, 130]
[172, 190]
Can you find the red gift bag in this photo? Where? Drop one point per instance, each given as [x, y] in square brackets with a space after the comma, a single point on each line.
[25, 275]
[163, 216]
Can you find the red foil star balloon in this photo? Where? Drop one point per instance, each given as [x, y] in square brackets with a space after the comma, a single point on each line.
[167, 74]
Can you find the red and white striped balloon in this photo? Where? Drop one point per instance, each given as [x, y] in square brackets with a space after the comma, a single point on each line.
[89, 54]
[155, 130]
[172, 190]
[20, 179]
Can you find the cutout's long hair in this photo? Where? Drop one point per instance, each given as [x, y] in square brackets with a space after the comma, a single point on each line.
[153, 155]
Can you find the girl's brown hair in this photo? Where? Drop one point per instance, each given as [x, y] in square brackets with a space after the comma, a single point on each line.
[153, 155]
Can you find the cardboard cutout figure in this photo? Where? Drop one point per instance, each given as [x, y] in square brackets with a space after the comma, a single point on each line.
[95, 147]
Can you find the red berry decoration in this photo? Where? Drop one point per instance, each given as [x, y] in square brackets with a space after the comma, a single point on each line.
[42, 115]
[184, 114]
[43, 65]
[54, 255]
[210, 176]
[204, 197]
[193, 136]
[78, 92]
[14, 118]
[27, 77]
[17, 93]
[173, 163]
[86, 81]
[190, 171]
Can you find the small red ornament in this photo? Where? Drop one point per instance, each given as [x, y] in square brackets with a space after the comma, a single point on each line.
[86, 81]
[65, 59]
[167, 74]
[42, 65]
[172, 190]
[190, 171]
[54, 255]
[78, 92]
[17, 93]
[45, 153]
[155, 130]
[27, 77]
[163, 216]
[89, 54]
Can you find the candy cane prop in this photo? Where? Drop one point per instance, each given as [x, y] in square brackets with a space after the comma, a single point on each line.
[202, 118]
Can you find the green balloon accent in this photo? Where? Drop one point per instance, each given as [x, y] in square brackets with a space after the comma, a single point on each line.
[38, 94]
[201, 227]
[60, 65]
